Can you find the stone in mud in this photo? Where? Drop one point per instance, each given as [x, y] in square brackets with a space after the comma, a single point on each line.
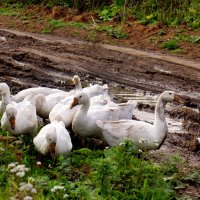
[193, 145]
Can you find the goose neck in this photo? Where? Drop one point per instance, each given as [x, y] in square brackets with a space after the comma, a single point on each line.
[6, 98]
[85, 107]
[160, 120]
[78, 86]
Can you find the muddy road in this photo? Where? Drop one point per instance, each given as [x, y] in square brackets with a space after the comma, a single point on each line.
[33, 59]
[28, 59]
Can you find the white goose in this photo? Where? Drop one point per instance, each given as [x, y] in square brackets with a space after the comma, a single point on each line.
[44, 104]
[5, 96]
[35, 90]
[20, 118]
[145, 135]
[77, 82]
[62, 112]
[54, 139]
[83, 123]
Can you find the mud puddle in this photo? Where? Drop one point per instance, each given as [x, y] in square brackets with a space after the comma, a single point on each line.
[144, 110]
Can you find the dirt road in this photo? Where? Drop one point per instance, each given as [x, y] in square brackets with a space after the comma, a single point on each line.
[34, 59]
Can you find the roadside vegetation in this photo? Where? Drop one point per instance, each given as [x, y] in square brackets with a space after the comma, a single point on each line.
[113, 173]
[113, 18]
[170, 12]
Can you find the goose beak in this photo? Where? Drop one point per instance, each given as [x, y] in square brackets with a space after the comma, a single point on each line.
[177, 99]
[72, 81]
[74, 103]
[12, 122]
[52, 147]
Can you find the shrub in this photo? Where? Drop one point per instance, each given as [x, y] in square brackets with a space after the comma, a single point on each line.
[170, 45]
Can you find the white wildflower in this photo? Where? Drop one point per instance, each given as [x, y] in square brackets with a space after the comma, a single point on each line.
[156, 143]
[31, 179]
[22, 183]
[26, 169]
[107, 147]
[122, 143]
[20, 166]
[26, 187]
[13, 170]
[19, 170]
[34, 191]
[20, 174]
[57, 187]
[142, 140]
[49, 166]
[38, 163]
[28, 198]
[12, 165]
[2, 149]
[22, 188]
[65, 196]
[140, 150]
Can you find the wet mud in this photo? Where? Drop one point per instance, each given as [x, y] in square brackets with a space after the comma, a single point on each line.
[28, 60]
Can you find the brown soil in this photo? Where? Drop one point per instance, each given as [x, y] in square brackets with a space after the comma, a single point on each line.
[31, 59]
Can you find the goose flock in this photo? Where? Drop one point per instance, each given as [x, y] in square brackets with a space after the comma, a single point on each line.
[90, 112]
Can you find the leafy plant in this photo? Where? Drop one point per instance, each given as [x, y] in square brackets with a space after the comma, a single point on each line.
[170, 45]
[53, 23]
[10, 10]
[192, 16]
[109, 12]
[114, 32]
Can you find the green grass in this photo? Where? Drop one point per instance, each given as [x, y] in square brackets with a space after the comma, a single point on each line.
[10, 11]
[170, 45]
[117, 32]
[187, 38]
[114, 32]
[113, 173]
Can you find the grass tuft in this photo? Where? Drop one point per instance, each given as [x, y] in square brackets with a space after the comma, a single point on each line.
[170, 45]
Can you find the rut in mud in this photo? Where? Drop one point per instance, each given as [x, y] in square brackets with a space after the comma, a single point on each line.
[31, 59]
[46, 60]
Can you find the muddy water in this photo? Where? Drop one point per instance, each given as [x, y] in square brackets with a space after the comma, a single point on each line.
[148, 102]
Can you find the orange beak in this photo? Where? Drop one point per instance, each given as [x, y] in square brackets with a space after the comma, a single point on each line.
[74, 103]
[74, 81]
[177, 99]
[12, 122]
[52, 147]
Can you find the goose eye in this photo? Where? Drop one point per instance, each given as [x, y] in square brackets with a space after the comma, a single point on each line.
[170, 93]
[80, 96]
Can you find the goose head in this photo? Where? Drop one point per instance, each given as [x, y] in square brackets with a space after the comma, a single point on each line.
[77, 82]
[4, 89]
[39, 99]
[81, 98]
[51, 138]
[11, 113]
[169, 96]
[76, 79]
